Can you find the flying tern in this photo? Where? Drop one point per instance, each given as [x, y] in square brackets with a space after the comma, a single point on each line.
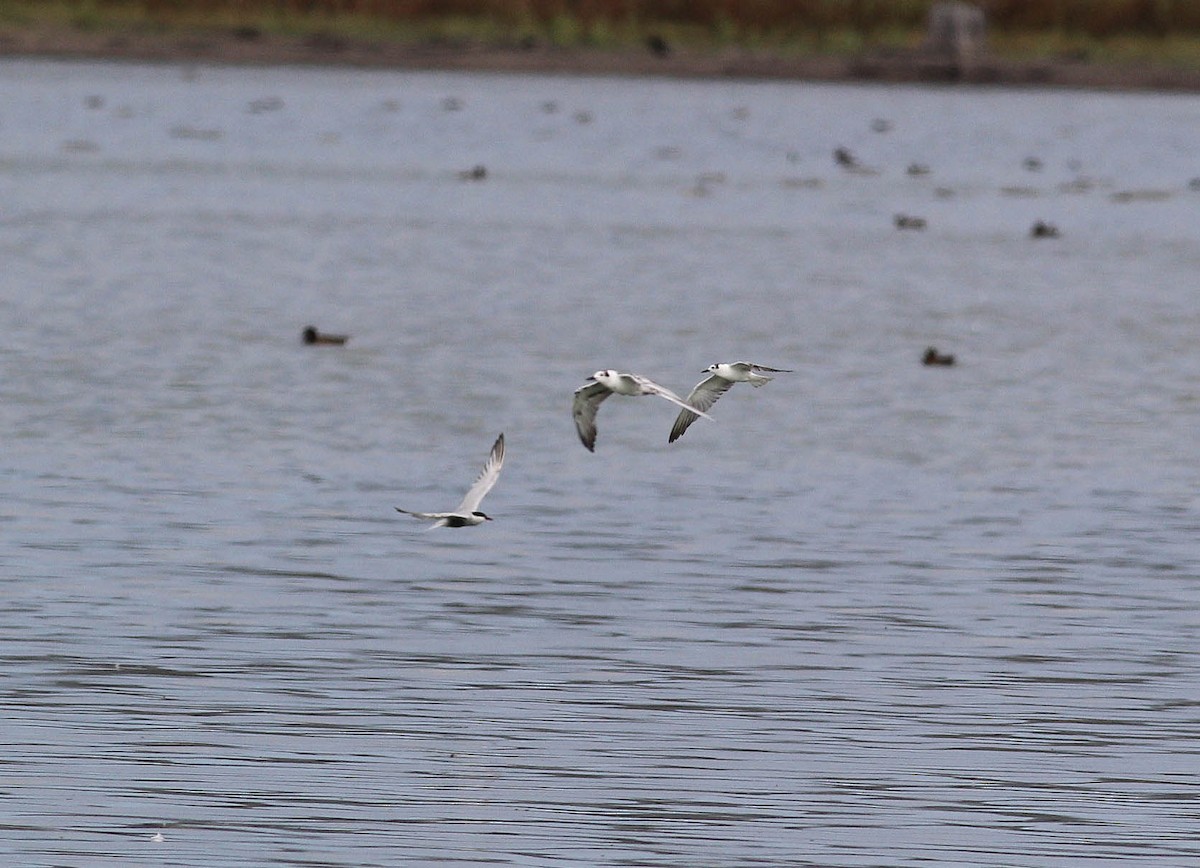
[599, 386]
[467, 513]
[721, 377]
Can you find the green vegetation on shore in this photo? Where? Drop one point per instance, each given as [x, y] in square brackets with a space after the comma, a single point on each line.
[1162, 31]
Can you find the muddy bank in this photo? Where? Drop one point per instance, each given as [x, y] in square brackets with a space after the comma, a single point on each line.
[256, 48]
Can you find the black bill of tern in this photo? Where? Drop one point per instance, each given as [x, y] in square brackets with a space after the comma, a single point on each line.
[467, 513]
[599, 386]
[721, 377]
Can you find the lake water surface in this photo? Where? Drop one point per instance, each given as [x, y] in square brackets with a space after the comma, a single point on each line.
[874, 614]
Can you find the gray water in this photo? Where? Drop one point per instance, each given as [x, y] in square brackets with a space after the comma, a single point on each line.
[874, 614]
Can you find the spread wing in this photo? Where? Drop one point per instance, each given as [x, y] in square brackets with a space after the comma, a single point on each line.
[650, 387]
[702, 397]
[757, 368]
[588, 399]
[439, 519]
[425, 516]
[487, 478]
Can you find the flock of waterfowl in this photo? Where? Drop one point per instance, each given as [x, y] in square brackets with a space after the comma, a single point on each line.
[845, 158]
[842, 156]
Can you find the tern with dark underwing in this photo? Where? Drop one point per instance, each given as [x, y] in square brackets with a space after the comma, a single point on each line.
[467, 513]
[721, 377]
[599, 386]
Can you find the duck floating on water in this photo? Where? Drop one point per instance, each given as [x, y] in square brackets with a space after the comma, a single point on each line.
[908, 221]
[933, 358]
[1042, 229]
[310, 335]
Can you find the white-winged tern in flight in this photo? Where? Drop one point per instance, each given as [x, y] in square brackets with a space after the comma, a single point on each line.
[467, 513]
[599, 386]
[707, 391]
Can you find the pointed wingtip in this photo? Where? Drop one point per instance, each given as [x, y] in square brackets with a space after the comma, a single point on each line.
[680, 427]
[589, 443]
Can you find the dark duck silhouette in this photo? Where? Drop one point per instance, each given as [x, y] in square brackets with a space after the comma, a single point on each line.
[310, 335]
[933, 357]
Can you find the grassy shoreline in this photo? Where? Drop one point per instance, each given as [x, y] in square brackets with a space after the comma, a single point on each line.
[283, 33]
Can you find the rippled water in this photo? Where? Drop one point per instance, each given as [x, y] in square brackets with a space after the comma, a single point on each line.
[874, 614]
